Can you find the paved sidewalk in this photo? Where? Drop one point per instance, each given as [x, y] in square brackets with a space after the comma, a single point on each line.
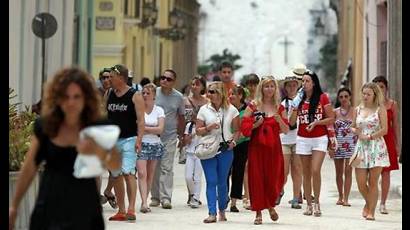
[396, 180]
[334, 217]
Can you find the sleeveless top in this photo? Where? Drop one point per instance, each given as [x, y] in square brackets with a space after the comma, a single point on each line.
[346, 139]
[121, 111]
[374, 151]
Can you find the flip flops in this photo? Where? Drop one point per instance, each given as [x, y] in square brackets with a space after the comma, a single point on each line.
[111, 200]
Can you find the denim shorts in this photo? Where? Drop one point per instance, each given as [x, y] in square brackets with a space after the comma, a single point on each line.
[126, 146]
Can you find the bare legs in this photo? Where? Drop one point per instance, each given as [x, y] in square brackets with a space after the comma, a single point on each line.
[146, 170]
[367, 180]
[385, 191]
[343, 168]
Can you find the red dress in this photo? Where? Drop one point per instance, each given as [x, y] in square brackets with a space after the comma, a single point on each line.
[265, 161]
[391, 143]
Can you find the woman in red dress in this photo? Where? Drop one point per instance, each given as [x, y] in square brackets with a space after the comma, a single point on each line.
[391, 139]
[263, 120]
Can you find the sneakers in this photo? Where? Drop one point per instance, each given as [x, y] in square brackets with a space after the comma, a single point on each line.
[166, 204]
[118, 217]
[295, 204]
[154, 203]
[194, 203]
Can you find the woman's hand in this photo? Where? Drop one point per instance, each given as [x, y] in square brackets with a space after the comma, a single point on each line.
[311, 126]
[88, 146]
[364, 137]
[212, 126]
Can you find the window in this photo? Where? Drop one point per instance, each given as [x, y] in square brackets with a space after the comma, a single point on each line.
[137, 9]
[125, 7]
[383, 58]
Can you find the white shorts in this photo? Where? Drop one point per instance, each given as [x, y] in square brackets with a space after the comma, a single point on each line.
[304, 145]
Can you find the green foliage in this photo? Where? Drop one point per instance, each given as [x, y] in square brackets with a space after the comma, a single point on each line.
[328, 62]
[213, 62]
[20, 131]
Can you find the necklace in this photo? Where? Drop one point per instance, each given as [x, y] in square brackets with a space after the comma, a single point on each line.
[344, 114]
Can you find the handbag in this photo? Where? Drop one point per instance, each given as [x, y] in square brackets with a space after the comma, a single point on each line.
[356, 159]
[209, 144]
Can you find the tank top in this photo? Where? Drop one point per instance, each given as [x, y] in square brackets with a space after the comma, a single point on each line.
[121, 111]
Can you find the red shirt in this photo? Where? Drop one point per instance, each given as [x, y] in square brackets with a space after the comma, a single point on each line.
[303, 116]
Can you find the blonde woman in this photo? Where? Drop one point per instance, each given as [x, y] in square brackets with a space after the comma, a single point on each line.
[263, 120]
[370, 124]
[218, 117]
[152, 148]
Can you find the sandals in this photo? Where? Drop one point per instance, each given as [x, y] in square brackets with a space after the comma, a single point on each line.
[317, 211]
[383, 209]
[273, 214]
[111, 200]
[118, 217]
[346, 204]
[339, 202]
[131, 216]
[364, 211]
[210, 219]
[258, 220]
[279, 198]
[222, 216]
[309, 210]
[246, 204]
[145, 209]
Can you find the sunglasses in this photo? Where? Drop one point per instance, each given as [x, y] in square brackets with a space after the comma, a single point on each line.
[105, 78]
[345, 96]
[169, 79]
[212, 91]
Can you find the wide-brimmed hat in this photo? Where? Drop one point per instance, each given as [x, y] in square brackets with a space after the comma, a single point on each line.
[290, 77]
[299, 69]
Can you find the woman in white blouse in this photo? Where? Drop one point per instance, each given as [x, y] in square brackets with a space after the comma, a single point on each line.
[218, 118]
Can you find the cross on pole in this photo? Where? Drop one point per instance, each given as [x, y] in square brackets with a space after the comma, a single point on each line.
[286, 43]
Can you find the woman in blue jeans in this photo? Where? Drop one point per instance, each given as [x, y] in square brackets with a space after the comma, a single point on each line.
[218, 117]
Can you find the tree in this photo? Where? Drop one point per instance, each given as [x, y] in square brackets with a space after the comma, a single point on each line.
[328, 62]
[213, 62]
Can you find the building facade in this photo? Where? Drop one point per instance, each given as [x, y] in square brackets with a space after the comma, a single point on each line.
[140, 35]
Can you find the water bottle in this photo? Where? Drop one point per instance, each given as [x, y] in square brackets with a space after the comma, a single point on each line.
[296, 101]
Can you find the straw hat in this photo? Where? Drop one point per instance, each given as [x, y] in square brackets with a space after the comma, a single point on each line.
[299, 69]
[291, 76]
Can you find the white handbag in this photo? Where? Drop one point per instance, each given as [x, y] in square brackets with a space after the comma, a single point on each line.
[208, 146]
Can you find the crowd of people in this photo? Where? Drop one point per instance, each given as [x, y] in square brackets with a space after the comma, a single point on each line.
[267, 127]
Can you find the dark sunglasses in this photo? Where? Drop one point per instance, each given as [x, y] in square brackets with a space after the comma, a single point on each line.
[212, 91]
[345, 96]
[105, 78]
[169, 79]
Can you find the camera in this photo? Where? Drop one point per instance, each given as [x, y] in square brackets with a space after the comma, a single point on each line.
[223, 146]
[258, 114]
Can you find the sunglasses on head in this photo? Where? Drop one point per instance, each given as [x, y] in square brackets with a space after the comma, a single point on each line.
[169, 79]
[309, 72]
[268, 77]
[115, 69]
[212, 91]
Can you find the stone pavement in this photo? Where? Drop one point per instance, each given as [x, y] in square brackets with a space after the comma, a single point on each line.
[334, 217]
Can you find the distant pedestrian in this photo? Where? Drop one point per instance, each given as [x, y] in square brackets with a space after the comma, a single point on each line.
[391, 139]
[226, 75]
[346, 141]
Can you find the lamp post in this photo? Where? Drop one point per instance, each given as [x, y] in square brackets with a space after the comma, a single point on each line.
[319, 27]
[177, 31]
[149, 14]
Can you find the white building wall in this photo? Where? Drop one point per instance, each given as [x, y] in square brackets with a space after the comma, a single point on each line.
[25, 61]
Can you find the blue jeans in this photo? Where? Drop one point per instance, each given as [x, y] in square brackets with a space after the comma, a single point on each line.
[216, 172]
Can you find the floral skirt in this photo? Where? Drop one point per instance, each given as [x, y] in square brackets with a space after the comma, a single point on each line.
[151, 151]
[374, 153]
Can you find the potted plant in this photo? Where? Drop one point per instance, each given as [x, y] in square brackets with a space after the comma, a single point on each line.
[20, 130]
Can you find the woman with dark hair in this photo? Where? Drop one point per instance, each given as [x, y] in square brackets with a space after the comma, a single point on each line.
[237, 97]
[391, 139]
[346, 142]
[193, 168]
[71, 103]
[314, 113]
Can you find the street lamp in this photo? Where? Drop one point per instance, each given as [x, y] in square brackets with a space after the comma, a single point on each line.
[149, 14]
[177, 31]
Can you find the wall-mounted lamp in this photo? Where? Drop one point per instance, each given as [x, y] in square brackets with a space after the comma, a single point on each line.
[178, 29]
[149, 14]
